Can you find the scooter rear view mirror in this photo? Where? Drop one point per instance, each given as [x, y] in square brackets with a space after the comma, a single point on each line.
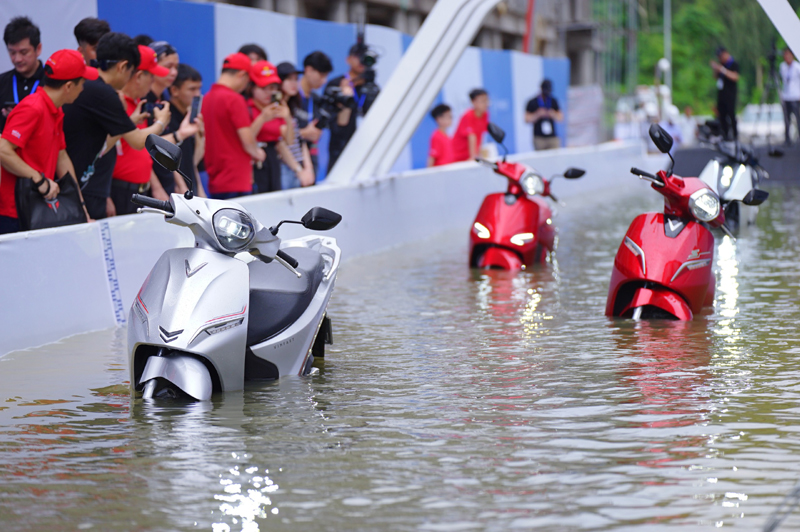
[755, 197]
[775, 152]
[661, 138]
[496, 132]
[574, 173]
[163, 152]
[320, 219]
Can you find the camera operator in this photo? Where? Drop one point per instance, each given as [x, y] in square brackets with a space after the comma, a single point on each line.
[309, 113]
[352, 95]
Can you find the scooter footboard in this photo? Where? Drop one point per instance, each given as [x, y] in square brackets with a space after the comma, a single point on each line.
[661, 298]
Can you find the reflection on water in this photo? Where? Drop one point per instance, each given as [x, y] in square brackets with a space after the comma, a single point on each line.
[451, 400]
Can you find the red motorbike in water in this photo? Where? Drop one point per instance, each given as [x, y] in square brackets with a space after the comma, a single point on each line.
[663, 268]
[514, 229]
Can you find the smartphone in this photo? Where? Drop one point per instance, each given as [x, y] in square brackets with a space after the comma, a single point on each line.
[196, 102]
[277, 97]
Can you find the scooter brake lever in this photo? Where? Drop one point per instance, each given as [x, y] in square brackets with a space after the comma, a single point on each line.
[152, 210]
[288, 266]
[727, 231]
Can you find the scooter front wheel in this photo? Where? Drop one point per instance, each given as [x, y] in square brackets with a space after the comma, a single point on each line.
[162, 389]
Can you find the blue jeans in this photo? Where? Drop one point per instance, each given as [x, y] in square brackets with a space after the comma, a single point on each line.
[228, 195]
[8, 225]
[288, 178]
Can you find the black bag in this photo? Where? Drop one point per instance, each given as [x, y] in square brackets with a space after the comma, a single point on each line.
[34, 212]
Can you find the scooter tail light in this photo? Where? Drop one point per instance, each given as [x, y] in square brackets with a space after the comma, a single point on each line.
[636, 250]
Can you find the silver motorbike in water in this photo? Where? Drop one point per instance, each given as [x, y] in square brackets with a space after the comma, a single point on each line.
[240, 305]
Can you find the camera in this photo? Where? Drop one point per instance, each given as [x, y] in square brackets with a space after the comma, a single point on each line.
[330, 103]
[368, 58]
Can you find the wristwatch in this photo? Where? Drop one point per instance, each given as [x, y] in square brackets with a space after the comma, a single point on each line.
[177, 140]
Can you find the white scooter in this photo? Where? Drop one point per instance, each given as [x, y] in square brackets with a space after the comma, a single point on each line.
[732, 175]
[237, 306]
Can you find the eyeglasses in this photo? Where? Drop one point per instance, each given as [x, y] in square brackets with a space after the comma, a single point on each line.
[163, 48]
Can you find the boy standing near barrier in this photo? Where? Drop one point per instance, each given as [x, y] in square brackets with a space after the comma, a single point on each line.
[473, 124]
[32, 146]
[441, 150]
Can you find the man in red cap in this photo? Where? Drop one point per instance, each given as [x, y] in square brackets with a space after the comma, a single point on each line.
[230, 144]
[133, 172]
[32, 146]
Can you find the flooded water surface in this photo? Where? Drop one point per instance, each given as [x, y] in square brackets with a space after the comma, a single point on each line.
[451, 400]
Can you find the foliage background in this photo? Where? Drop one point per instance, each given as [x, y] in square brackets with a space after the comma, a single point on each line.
[698, 28]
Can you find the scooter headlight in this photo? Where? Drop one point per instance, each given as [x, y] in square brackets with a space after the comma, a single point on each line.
[532, 183]
[234, 229]
[704, 205]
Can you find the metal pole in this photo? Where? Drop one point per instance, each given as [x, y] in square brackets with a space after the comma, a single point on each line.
[633, 60]
[668, 40]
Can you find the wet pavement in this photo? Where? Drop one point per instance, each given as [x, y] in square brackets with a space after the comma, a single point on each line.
[451, 400]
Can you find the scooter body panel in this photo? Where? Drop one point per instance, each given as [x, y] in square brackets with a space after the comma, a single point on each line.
[194, 301]
[649, 258]
[282, 349]
[517, 225]
[732, 182]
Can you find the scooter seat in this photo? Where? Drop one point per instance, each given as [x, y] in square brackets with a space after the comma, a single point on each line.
[277, 296]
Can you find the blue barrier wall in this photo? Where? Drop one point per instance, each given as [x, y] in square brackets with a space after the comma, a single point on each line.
[204, 33]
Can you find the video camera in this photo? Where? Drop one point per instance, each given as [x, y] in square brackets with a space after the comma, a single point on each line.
[331, 101]
[368, 57]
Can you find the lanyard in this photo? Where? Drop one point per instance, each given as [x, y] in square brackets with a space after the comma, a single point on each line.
[16, 95]
[360, 99]
[541, 102]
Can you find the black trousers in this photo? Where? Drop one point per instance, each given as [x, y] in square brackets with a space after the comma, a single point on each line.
[268, 177]
[727, 119]
[121, 193]
[791, 108]
[95, 205]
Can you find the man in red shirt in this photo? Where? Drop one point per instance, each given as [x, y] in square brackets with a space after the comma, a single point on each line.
[471, 127]
[441, 151]
[133, 172]
[230, 144]
[32, 146]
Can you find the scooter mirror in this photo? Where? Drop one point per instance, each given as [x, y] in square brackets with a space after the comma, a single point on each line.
[661, 138]
[755, 197]
[163, 152]
[775, 152]
[319, 219]
[574, 173]
[496, 132]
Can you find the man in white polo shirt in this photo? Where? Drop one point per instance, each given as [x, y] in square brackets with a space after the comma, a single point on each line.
[790, 95]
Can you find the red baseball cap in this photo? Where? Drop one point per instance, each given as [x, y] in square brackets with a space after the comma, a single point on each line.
[237, 61]
[149, 62]
[264, 73]
[68, 64]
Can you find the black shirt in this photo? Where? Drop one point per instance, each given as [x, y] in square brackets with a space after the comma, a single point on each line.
[25, 86]
[726, 92]
[166, 177]
[97, 113]
[544, 127]
[340, 135]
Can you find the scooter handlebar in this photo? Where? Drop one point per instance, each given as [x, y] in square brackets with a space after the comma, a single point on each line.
[642, 173]
[291, 261]
[146, 201]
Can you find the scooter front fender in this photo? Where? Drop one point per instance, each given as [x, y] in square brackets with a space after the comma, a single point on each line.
[184, 371]
[194, 301]
[660, 297]
[500, 258]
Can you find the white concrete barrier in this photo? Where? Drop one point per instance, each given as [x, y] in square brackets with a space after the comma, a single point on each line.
[60, 282]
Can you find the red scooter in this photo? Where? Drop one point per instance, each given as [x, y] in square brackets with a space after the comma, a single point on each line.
[663, 268]
[514, 230]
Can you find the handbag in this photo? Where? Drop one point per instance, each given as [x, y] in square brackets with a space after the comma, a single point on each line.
[34, 212]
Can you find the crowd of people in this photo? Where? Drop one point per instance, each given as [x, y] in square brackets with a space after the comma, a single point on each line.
[542, 111]
[256, 130]
[85, 114]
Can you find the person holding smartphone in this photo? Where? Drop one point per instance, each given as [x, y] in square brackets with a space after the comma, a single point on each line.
[272, 121]
[185, 103]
